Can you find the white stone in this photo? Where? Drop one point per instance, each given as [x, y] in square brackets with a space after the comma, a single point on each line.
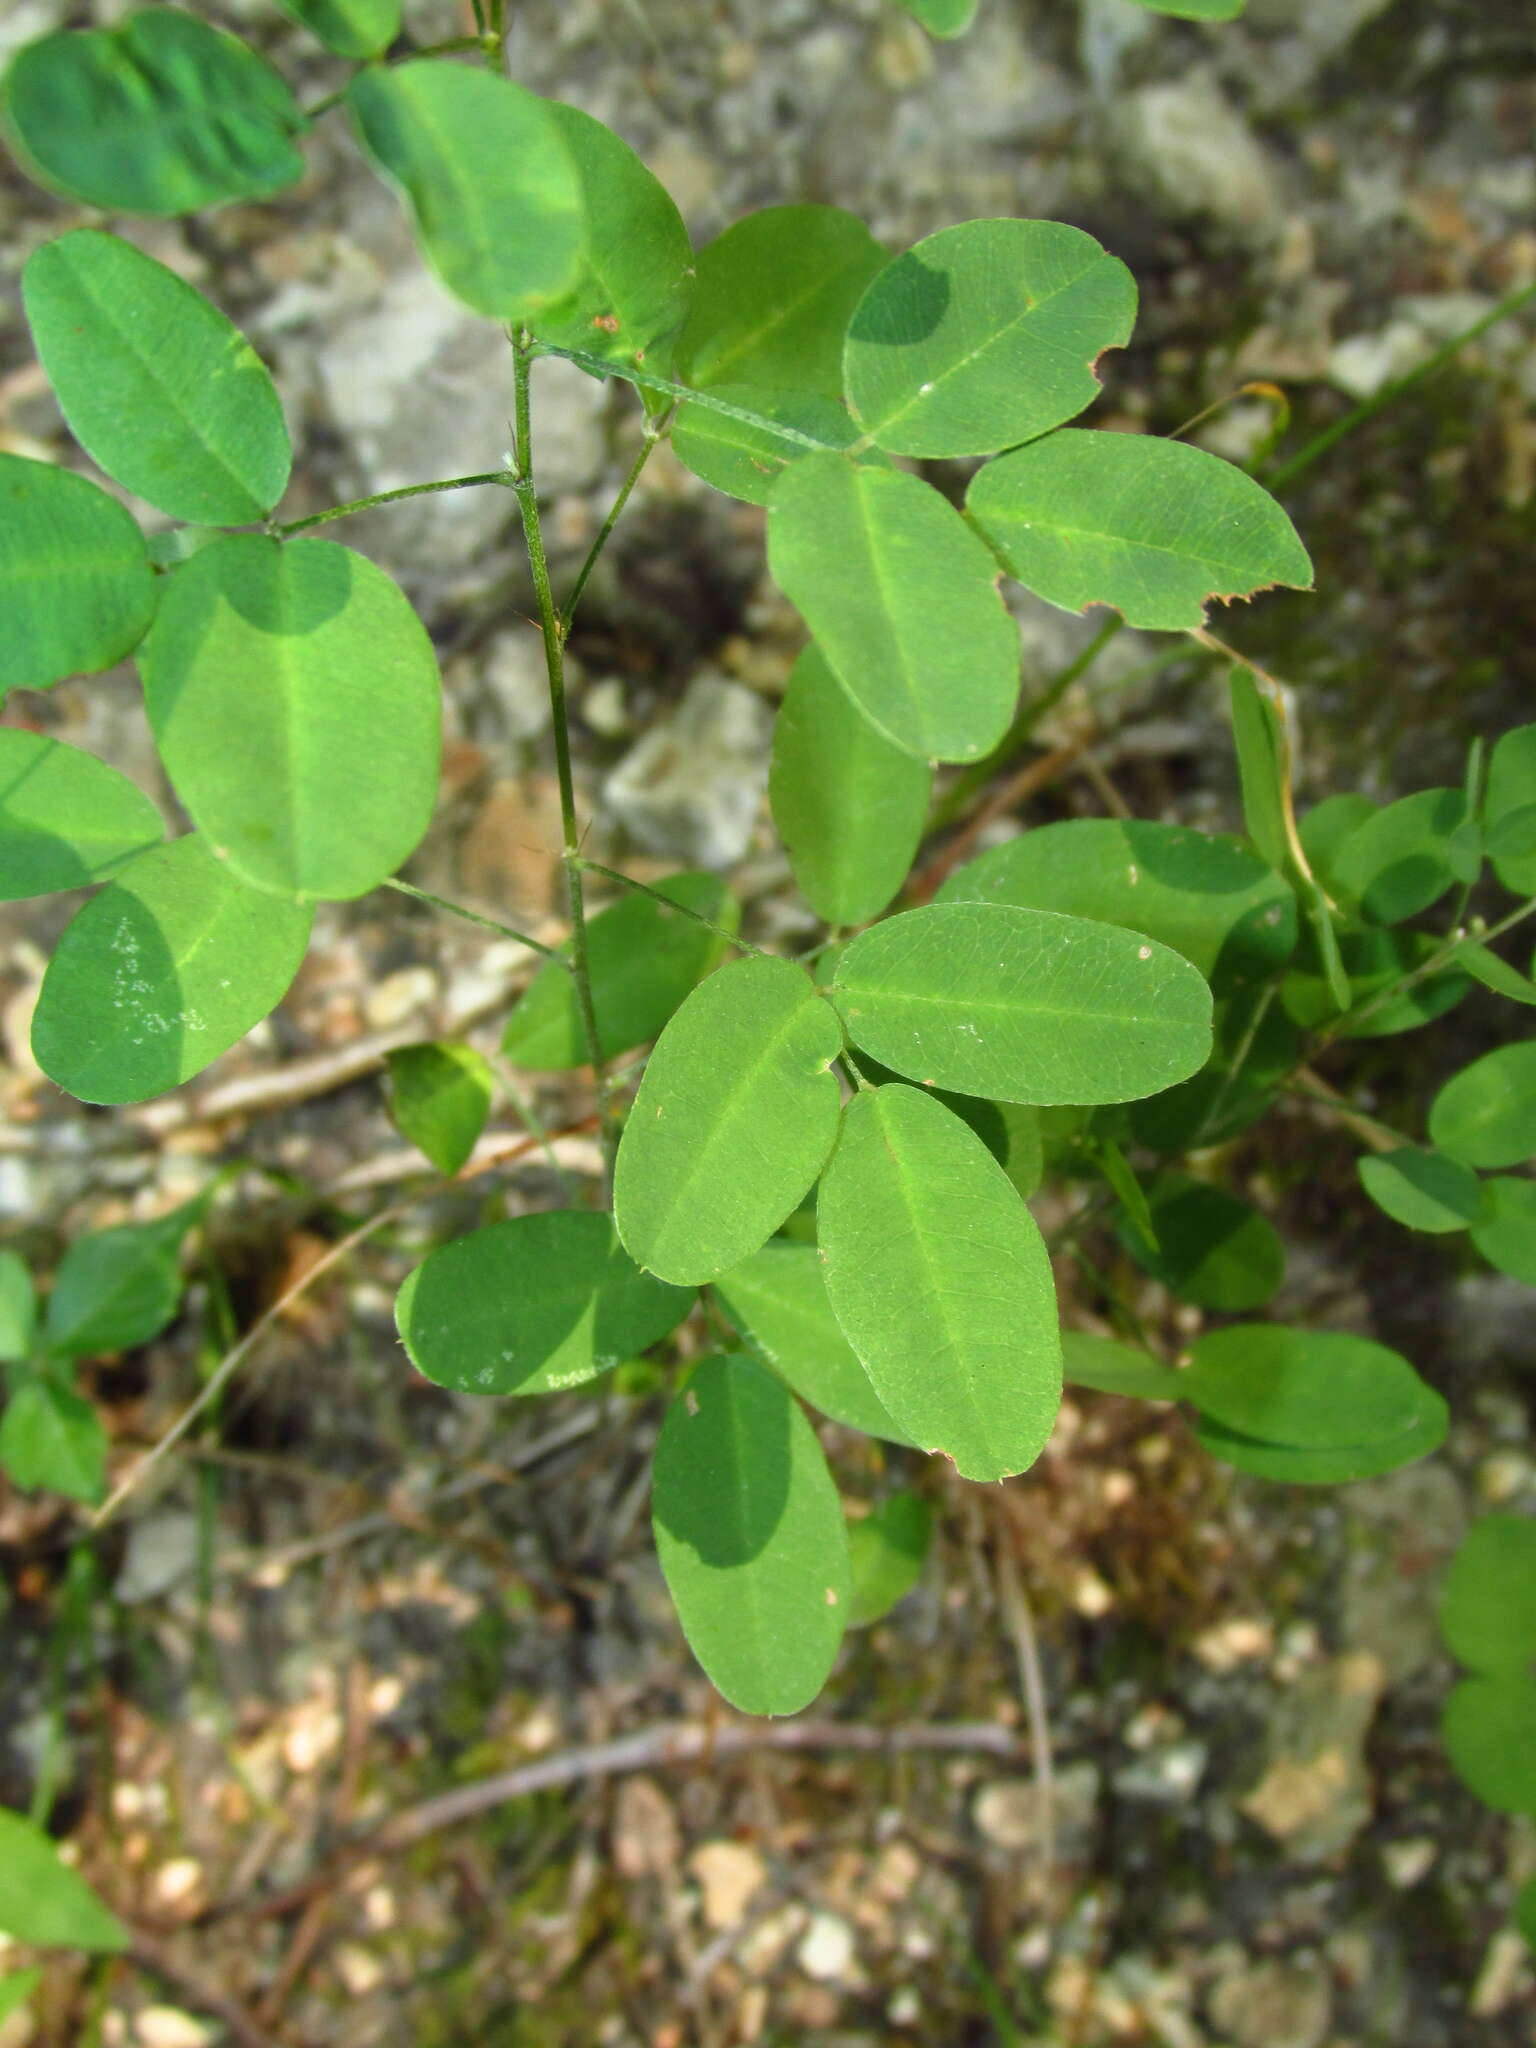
[826, 1950]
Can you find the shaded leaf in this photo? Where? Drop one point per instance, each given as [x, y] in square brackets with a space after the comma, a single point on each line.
[1490, 1733]
[1306, 1389]
[1194, 10]
[352, 28]
[1505, 1230]
[161, 391]
[939, 1278]
[750, 1536]
[77, 581]
[532, 1306]
[294, 698]
[1373, 962]
[440, 1097]
[743, 456]
[1511, 790]
[1324, 828]
[119, 1287]
[1488, 1600]
[1486, 1114]
[1495, 972]
[1110, 1367]
[887, 1549]
[42, 1901]
[1422, 1190]
[1399, 861]
[1211, 1248]
[1263, 762]
[16, 1987]
[943, 18]
[51, 1437]
[1293, 1465]
[18, 1309]
[66, 819]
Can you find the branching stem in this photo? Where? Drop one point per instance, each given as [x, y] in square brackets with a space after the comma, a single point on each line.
[447, 483]
[491, 924]
[594, 867]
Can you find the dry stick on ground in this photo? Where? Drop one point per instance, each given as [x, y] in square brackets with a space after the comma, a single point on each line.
[674, 1742]
[1021, 1627]
[1028, 782]
[153, 1956]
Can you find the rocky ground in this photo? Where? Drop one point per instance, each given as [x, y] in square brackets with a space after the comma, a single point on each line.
[358, 1592]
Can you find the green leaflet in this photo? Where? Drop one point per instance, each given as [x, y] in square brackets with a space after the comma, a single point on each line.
[1304, 1389]
[1523, 1912]
[1490, 1732]
[1373, 961]
[18, 1310]
[161, 972]
[733, 1122]
[772, 300]
[643, 960]
[778, 1301]
[1495, 972]
[161, 391]
[743, 457]
[484, 168]
[294, 698]
[1023, 1005]
[162, 114]
[1293, 1465]
[1230, 915]
[532, 1306]
[16, 1987]
[1505, 1230]
[1399, 861]
[1488, 1600]
[849, 806]
[117, 1288]
[42, 1901]
[902, 600]
[984, 335]
[750, 1536]
[1512, 789]
[352, 28]
[1422, 1190]
[51, 1437]
[944, 19]
[1264, 767]
[1194, 10]
[66, 819]
[887, 1550]
[940, 1280]
[634, 287]
[77, 582]
[1486, 1114]
[1110, 1367]
[1155, 528]
[440, 1097]
[1211, 1248]
[1325, 827]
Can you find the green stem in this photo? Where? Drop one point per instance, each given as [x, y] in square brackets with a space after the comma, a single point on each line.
[491, 924]
[1444, 956]
[449, 483]
[600, 366]
[594, 867]
[553, 632]
[654, 430]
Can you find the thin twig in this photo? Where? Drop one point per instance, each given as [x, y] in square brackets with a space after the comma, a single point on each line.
[154, 1956]
[651, 434]
[448, 483]
[1021, 1627]
[1030, 779]
[593, 867]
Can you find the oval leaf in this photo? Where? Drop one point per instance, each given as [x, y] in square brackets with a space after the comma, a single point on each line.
[352, 28]
[943, 19]
[1505, 1231]
[1155, 528]
[1399, 861]
[52, 1438]
[532, 1306]
[489, 181]
[18, 1309]
[750, 1536]
[734, 1120]
[162, 114]
[1110, 1367]
[1511, 790]
[778, 1301]
[1490, 1732]
[887, 1549]
[1211, 1248]
[742, 451]
[45, 1903]
[161, 391]
[1422, 1190]
[161, 972]
[849, 806]
[77, 581]
[772, 300]
[1308, 1389]
[902, 599]
[984, 335]
[1290, 1465]
[642, 959]
[1227, 912]
[1024, 1005]
[1486, 1114]
[294, 698]
[1488, 1601]
[939, 1277]
[440, 1097]
[117, 1288]
[66, 819]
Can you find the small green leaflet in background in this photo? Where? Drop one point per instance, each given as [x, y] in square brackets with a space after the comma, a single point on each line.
[485, 171]
[1023, 1005]
[294, 698]
[772, 300]
[744, 457]
[161, 972]
[77, 581]
[1207, 897]
[1486, 1114]
[849, 806]
[1421, 1190]
[635, 285]
[119, 1287]
[777, 1299]
[16, 1987]
[161, 391]
[532, 1306]
[1505, 1230]
[1325, 827]
[1372, 961]
[66, 819]
[1303, 1389]
[439, 1097]
[1490, 1731]
[1194, 10]
[734, 1120]
[1495, 972]
[1154, 528]
[939, 1277]
[1211, 1248]
[1399, 861]
[162, 114]
[642, 958]
[1511, 790]
[352, 28]
[887, 1549]
[1264, 767]
[1110, 1367]
[944, 19]
[750, 1535]
[18, 1309]
[1294, 1465]
[1488, 1600]
[51, 1437]
[42, 1901]
[902, 600]
[984, 335]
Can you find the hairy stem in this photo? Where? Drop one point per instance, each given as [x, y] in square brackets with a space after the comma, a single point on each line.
[594, 867]
[654, 430]
[491, 924]
[447, 483]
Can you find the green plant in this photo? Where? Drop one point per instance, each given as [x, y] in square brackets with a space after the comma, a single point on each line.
[947, 18]
[46, 1904]
[1110, 1002]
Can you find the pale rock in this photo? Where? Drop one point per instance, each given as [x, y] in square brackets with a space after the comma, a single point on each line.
[1166, 1776]
[1409, 1862]
[647, 1841]
[1107, 33]
[1363, 364]
[162, 1549]
[1273, 2004]
[398, 996]
[167, 2026]
[1315, 1793]
[827, 1949]
[763, 1948]
[729, 1876]
[1187, 140]
[1403, 1531]
[1007, 1811]
[691, 788]
[513, 671]
[359, 1968]
[27, 19]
